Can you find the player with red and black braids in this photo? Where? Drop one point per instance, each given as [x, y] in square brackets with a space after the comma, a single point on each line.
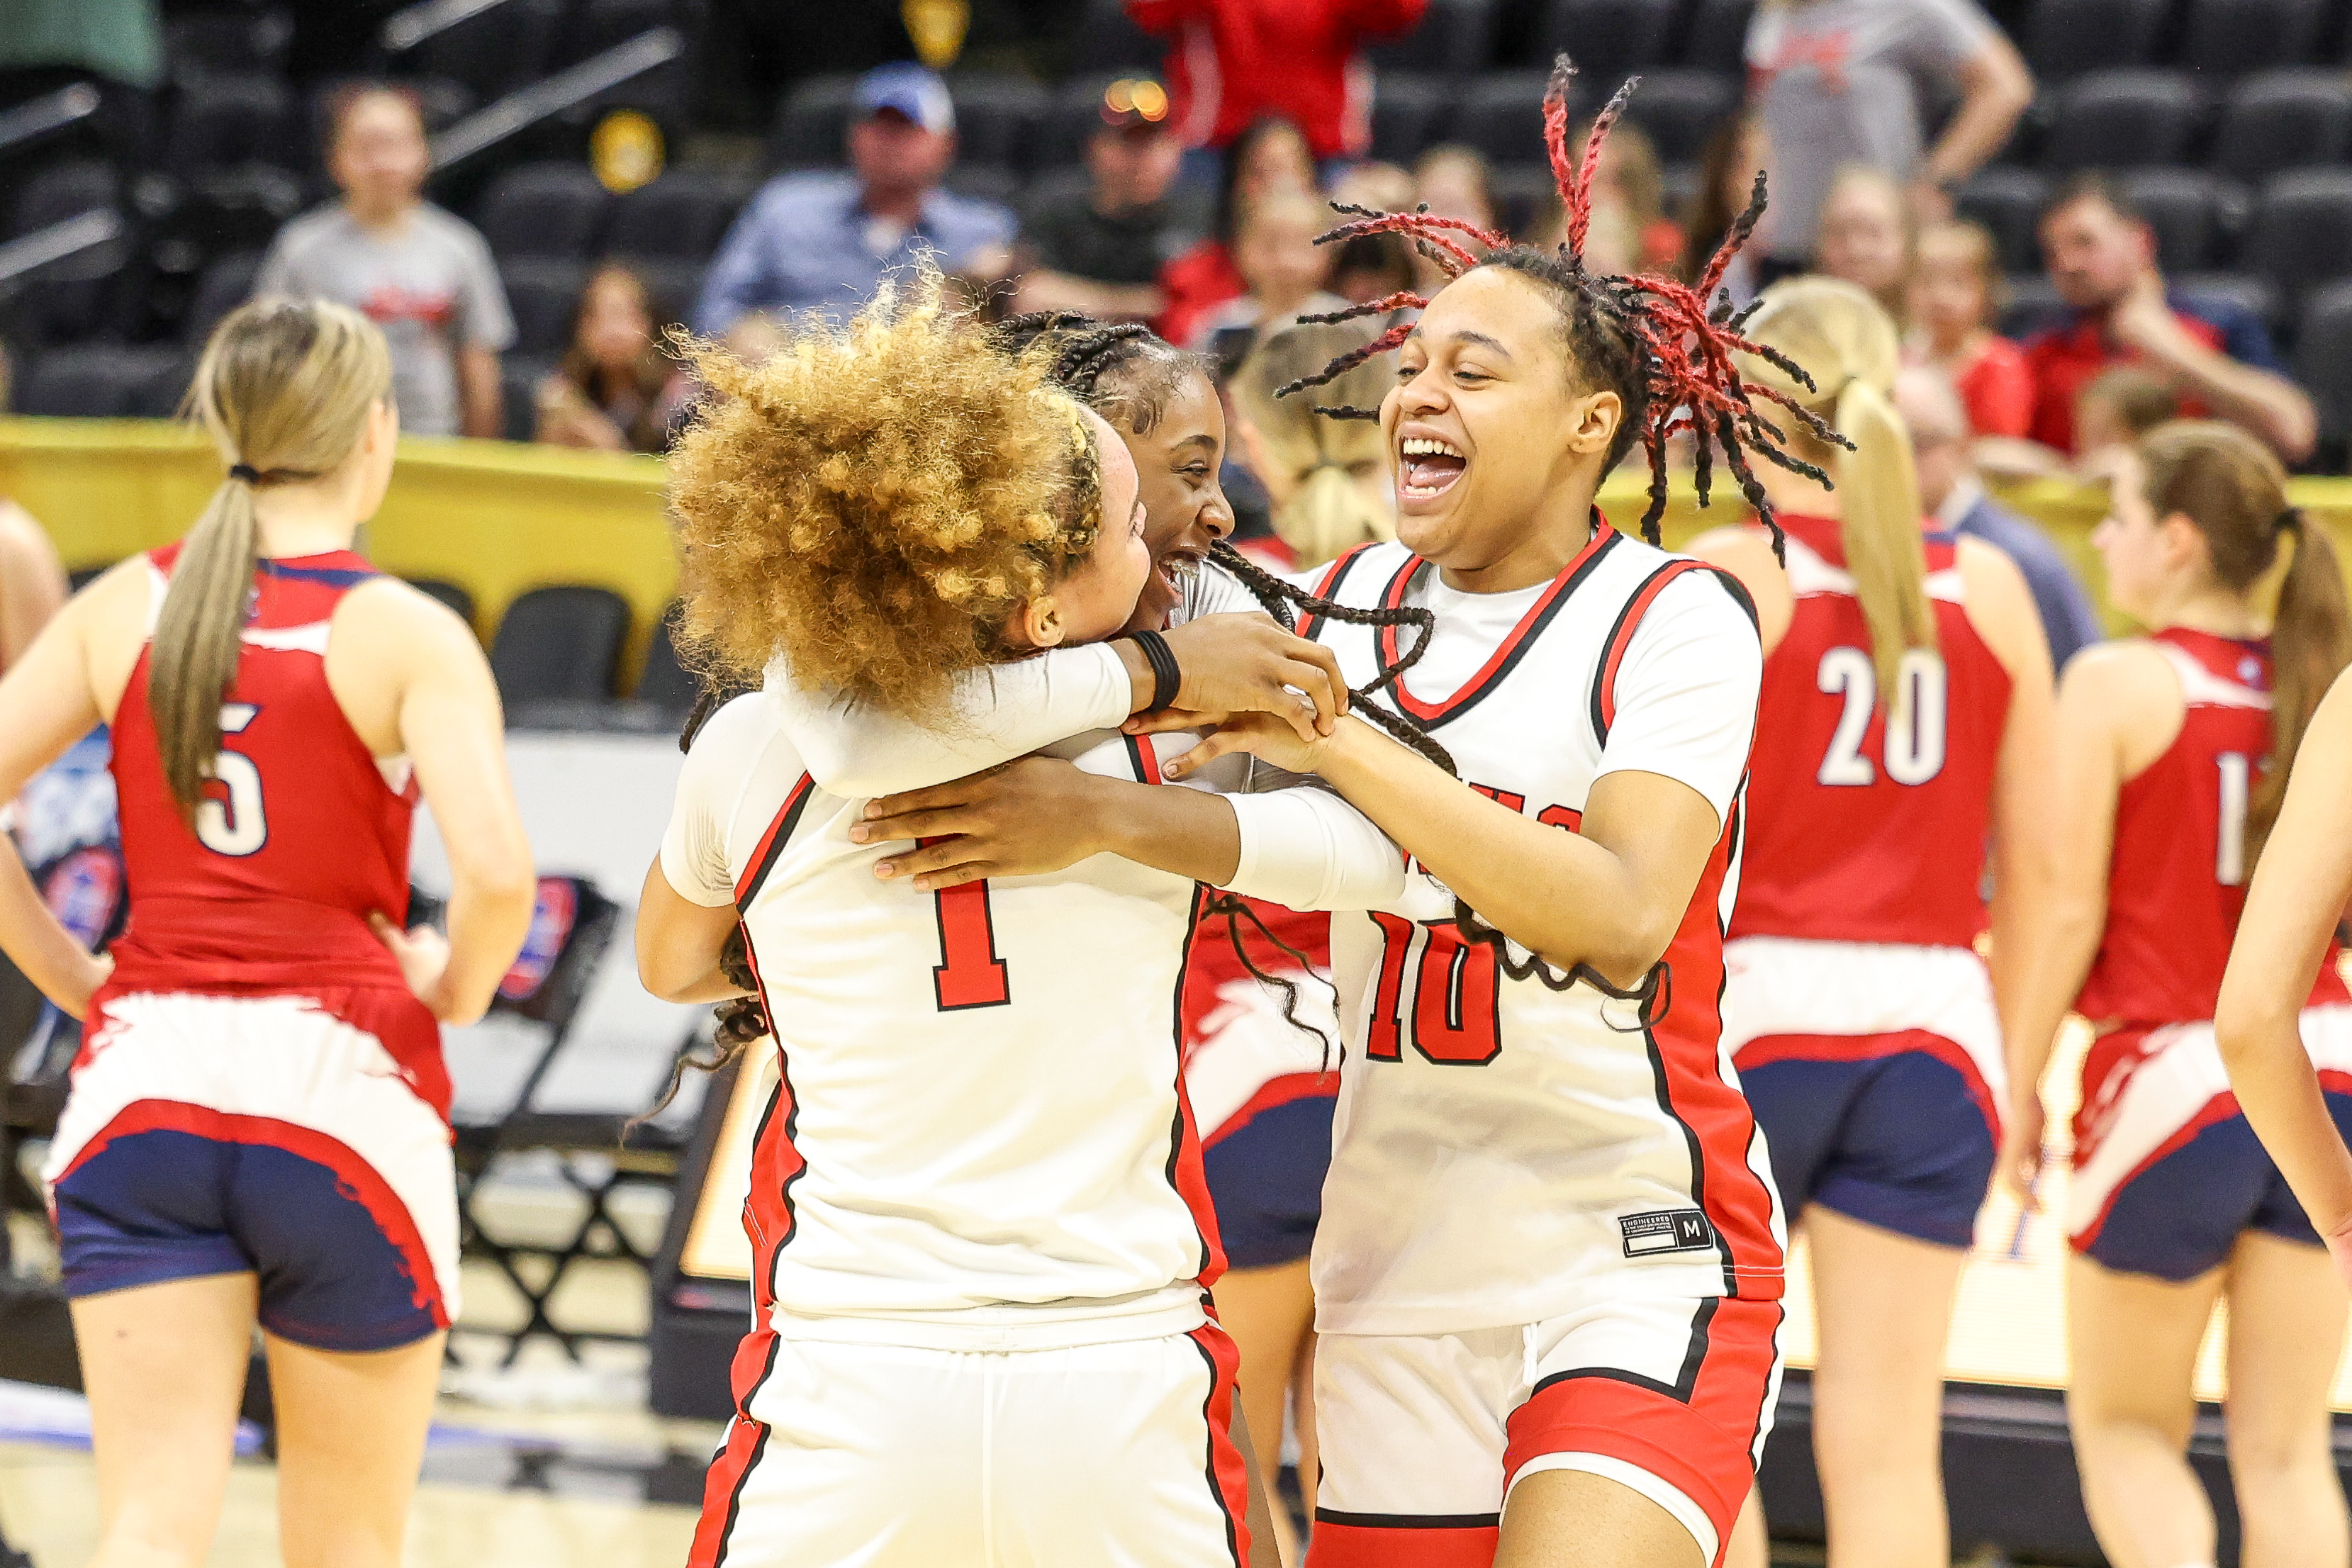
[1549, 1269]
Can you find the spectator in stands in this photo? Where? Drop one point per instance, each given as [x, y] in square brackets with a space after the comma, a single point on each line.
[1284, 268]
[1864, 234]
[1232, 63]
[825, 241]
[1372, 266]
[1099, 251]
[1850, 81]
[422, 275]
[1726, 177]
[1955, 291]
[1456, 182]
[1270, 156]
[2113, 411]
[614, 390]
[2214, 352]
[1948, 488]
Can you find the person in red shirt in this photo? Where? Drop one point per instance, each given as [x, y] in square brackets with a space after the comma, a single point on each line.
[2217, 353]
[1954, 274]
[1231, 62]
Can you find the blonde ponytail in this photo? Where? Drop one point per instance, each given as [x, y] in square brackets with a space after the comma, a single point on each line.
[1328, 514]
[1838, 331]
[284, 391]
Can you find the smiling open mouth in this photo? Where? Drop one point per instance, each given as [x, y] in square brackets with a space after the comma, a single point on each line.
[1179, 567]
[1427, 467]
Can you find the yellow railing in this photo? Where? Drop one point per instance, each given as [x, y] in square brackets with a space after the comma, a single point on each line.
[499, 519]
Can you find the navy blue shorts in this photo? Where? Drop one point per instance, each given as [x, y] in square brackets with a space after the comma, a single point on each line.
[1899, 1139]
[1266, 1179]
[2178, 1217]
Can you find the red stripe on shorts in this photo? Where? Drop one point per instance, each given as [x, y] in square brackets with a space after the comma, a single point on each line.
[723, 1484]
[1228, 1472]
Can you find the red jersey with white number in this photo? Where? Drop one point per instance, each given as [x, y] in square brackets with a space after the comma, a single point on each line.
[301, 836]
[1866, 820]
[2176, 877]
[1504, 1151]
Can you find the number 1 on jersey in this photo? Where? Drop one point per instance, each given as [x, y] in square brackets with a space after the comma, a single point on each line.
[969, 973]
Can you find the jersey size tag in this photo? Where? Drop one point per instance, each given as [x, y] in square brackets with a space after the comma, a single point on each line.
[1665, 1230]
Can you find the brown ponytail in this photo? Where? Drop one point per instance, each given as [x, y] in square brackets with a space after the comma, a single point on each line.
[2231, 486]
[1838, 331]
[284, 391]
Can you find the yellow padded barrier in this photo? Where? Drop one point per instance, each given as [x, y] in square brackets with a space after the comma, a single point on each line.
[499, 519]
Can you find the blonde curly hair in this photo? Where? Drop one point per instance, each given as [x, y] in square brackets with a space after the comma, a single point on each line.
[875, 503]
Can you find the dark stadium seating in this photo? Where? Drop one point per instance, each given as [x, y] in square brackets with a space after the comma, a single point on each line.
[1716, 38]
[2007, 201]
[63, 190]
[1409, 114]
[1609, 39]
[674, 285]
[543, 291]
[2301, 235]
[2284, 119]
[519, 377]
[997, 118]
[99, 381]
[247, 39]
[2231, 38]
[2323, 364]
[1501, 115]
[2122, 119]
[2064, 38]
[1454, 37]
[665, 683]
[226, 284]
[681, 217]
[1681, 109]
[2031, 304]
[2248, 293]
[559, 644]
[813, 119]
[449, 593]
[1109, 41]
[2195, 216]
[491, 50]
[597, 26]
[542, 209]
[224, 121]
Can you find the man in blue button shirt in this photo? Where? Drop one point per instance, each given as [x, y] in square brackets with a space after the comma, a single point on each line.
[825, 240]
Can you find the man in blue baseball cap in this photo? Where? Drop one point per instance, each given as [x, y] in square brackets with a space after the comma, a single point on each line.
[824, 241]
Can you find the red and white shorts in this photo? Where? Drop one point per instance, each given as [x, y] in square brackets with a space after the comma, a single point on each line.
[1423, 1437]
[874, 1455]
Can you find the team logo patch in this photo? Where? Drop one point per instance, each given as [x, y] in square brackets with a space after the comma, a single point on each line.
[1665, 1230]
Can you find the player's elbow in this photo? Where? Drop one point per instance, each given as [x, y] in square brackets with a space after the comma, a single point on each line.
[1634, 948]
[2294, 428]
[2249, 1018]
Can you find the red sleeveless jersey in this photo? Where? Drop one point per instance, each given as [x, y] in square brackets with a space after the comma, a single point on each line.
[300, 836]
[2177, 877]
[1855, 834]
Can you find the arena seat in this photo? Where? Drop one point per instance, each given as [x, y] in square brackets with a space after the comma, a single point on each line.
[2248, 293]
[560, 644]
[2323, 365]
[1453, 37]
[2007, 201]
[492, 50]
[1108, 41]
[2195, 216]
[997, 116]
[2231, 38]
[2031, 304]
[2066, 38]
[1680, 109]
[2122, 119]
[984, 182]
[95, 381]
[1608, 40]
[2301, 235]
[1716, 37]
[666, 684]
[2284, 119]
[449, 593]
[222, 121]
[595, 25]
[812, 122]
[543, 292]
[681, 217]
[675, 286]
[226, 284]
[65, 189]
[1409, 115]
[228, 42]
[519, 378]
[542, 209]
[1501, 115]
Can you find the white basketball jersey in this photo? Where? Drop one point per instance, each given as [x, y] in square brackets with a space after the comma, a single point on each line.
[1504, 1150]
[979, 1136]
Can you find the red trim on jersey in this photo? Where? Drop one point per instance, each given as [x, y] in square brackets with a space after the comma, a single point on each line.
[722, 1485]
[772, 842]
[1185, 1172]
[1698, 1438]
[1330, 583]
[1506, 652]
[1629, 621]
[359, 1179]
[1339, 1542]
[1274, 1091]
[776, 1164]
[1766, 1049]
[1228, 1472]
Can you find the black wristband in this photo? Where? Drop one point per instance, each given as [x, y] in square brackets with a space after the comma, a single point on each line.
[1166, 678]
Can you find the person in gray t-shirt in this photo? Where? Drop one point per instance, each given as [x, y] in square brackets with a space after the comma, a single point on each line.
[1853, 81]
[422, 275]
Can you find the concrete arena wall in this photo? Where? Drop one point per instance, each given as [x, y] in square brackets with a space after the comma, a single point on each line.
[499, 519]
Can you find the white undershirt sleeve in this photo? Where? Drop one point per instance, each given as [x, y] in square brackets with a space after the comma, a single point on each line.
[1006, 711]
[1305, 848]
[1687, 691]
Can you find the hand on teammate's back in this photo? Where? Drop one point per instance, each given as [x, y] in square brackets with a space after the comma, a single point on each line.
[423, 955]
[1027, 818]
[1247, 664]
